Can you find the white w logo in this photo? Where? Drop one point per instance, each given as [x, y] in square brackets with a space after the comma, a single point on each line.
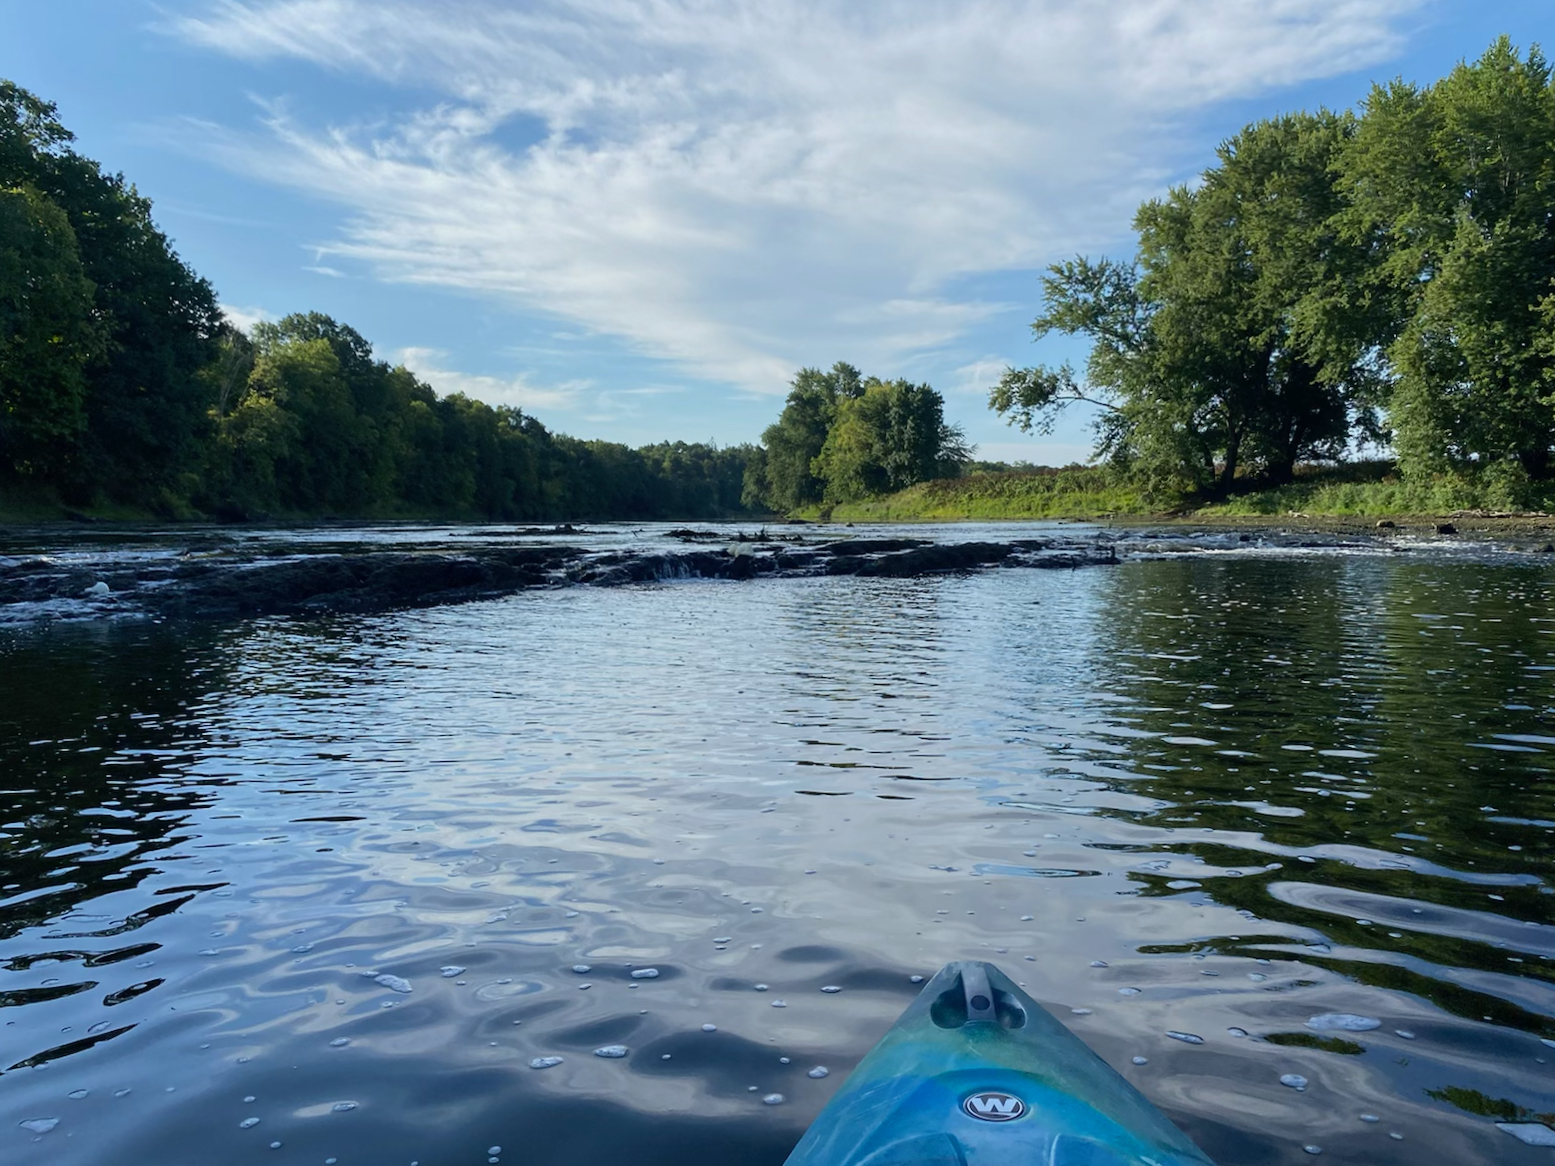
[993, 1106]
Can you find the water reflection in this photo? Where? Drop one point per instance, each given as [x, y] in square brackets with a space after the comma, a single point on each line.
[338, 884]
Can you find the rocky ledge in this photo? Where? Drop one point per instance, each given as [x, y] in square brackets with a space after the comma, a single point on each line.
[228, 587]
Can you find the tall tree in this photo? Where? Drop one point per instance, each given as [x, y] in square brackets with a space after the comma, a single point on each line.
[795, 441]
[1456, 184]
[47, 335]
[1238, 340]
[889, 437]
[145, 401]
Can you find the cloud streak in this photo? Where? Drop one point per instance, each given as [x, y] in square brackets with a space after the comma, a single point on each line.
[739, 187]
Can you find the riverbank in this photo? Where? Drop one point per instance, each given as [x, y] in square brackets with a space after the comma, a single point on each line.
[1348, 496]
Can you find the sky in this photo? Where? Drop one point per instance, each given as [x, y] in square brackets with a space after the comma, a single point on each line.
[636, 219]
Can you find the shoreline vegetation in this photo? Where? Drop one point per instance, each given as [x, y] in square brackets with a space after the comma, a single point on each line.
[1379, 278]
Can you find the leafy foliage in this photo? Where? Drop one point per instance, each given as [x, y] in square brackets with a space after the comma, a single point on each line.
[842, 437]
[1329, 271]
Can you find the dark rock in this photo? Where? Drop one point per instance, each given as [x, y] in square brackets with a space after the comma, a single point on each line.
[937, 558]
[873, 546]
[1387, 524]
[1446, 528]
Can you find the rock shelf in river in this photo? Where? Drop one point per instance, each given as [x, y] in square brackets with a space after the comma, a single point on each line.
[383, 580]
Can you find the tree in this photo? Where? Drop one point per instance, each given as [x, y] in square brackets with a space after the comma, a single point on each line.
[1456, 185]
[1237, 340]
[47, 335]
[145, 402]
[889, 437]
[795, 441]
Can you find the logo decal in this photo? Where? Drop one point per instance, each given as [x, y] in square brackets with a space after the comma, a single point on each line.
[994, 1106]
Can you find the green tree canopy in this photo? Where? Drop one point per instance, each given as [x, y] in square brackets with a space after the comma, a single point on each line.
[47, 334]
[1236, 340]
[1454, 184]
[144, 399]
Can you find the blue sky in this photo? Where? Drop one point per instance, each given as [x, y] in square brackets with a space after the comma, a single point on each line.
[637, 218]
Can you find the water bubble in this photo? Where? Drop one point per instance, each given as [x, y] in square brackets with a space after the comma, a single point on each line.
[342, 1107]
[720, 939]
[1128, 991]
[250, 1099]
[818, 1072]
[665, 1056]
[121, 1092]
[1313, 1149]
[780, 1004]
[1187, 1038]
[1257, 977]
[1098, 963]
[340, 1042]
[709, 1028]
[40, 1125]
[646, 974]
[394, 983]
[303, 948]
[1370, 1117]
[77, 1094]
[916, 979]
[831, 988]
[1141, 1060]
[1293, 1081]
[1237, 1032]
[1342, 1022]
[545, 1062]
[772, 1099]
[761, 987]
[611, 1052]
[581, 969]
[1405, 1033]
[493, 1149]
[784, 1061]
[1025, 918]
[450, 972]
[1080, 1011]
[248, 1123]
[275, 1145]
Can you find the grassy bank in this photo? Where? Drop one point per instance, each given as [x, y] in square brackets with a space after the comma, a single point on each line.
[1363, 490]
[1076, 492]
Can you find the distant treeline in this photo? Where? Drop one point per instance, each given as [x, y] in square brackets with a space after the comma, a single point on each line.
[123, 387]
[1335, 279]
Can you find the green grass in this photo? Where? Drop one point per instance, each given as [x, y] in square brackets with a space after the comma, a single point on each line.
[1075, 492]
[1353, 490]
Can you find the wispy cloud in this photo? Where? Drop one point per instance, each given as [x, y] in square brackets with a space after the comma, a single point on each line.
[742, 186]
[430, 364]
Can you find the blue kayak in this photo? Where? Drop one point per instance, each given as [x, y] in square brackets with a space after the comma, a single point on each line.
[977, 1073]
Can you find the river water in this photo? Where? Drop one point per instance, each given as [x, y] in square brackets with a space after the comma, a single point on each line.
[320, 891]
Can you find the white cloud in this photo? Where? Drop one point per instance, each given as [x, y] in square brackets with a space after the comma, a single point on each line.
[429, 365]
[244, 319]
[743, 186]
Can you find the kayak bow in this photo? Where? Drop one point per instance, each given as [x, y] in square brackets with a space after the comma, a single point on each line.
[977, 1073]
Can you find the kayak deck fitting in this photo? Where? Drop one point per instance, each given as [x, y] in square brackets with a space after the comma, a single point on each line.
[977, 1073]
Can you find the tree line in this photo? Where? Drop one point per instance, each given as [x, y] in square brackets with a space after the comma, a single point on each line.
[843, 436]
[1385, 276]
[123, 386]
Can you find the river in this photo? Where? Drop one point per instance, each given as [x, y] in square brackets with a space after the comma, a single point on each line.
[322, 890]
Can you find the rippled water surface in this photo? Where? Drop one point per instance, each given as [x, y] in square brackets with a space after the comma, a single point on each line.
[321, 891]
